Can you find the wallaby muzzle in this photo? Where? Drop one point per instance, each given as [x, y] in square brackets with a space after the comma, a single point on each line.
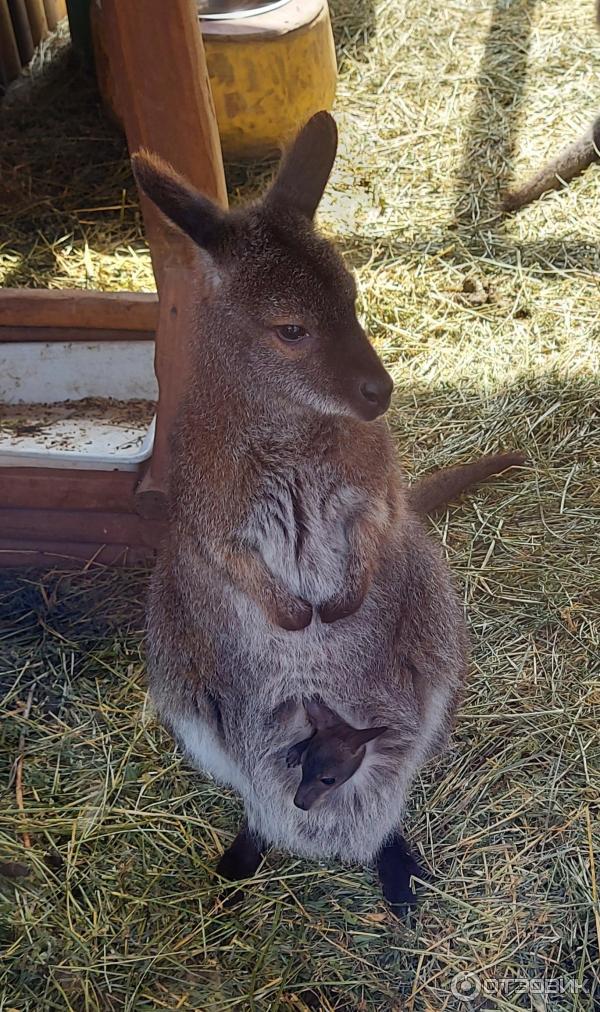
[377, 393]
[307, 795]
[372, 384]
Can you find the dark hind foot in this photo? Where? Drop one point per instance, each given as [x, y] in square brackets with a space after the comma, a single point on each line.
[240, 860]
[396, 865]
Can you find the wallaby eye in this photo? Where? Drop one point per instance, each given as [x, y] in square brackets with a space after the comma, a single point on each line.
[291, 332]
[328, 781]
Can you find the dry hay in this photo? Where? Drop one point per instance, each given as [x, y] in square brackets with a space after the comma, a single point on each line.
[490, 328]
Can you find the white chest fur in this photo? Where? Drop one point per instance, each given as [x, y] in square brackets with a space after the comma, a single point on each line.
[299, 526]
[207, 753]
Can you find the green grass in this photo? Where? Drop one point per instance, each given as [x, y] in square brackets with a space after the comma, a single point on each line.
[118, 908]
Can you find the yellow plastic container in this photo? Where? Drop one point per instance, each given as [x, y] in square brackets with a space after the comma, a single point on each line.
[269, 73]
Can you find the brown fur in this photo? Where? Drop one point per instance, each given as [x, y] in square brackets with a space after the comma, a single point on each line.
[295, 566]
[436, 490]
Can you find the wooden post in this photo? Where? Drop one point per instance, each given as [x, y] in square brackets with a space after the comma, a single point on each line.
[10, 61]
[20, 21]
[158, 68]
[170, 366]
[55, 10]
[37, 20]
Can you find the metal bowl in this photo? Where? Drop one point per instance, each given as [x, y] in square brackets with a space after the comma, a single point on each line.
[227, 10]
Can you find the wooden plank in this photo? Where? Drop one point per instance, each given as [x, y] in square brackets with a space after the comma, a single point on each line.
[42, 525]
[36, 307]
[10, 61]
[37, 20]
[70, 555]
[172, 114]
[56, 489]
[170, 366]
[90, 335]
[18, 13]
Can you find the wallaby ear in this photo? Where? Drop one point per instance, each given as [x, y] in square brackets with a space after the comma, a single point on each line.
[186, 207]
[360, 736]
[305, 168]
[320, 715]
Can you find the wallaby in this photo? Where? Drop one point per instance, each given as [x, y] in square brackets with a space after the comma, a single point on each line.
[330, 755]
[567, 165]
[333, 753]
[294, 565]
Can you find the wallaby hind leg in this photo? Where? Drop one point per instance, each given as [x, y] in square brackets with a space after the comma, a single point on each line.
[242, 857]
[396, 865]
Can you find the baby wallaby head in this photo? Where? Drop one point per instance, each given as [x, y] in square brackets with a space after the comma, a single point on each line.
[330, 756]
[280, 303]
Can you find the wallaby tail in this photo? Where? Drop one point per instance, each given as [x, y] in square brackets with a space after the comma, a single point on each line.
[569, 163]
[437, 489]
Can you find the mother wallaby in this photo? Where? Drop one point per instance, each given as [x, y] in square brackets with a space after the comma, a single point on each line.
[295, 566]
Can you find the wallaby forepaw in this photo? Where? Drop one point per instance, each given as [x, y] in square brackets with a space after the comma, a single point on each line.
[339, 608]
[294, 756]
[296, 615]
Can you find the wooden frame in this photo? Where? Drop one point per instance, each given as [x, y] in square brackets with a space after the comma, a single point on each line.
[32, 308]
[157, 64]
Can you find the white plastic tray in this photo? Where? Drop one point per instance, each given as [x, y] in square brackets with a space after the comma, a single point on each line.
[79, 383]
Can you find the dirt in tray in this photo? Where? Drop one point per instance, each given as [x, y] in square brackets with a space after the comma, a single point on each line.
[30, 420]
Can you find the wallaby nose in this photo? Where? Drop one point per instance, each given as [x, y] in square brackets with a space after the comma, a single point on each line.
[301, 802]
[378, 391]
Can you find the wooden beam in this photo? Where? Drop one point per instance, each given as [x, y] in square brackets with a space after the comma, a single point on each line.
[36, 307]
[70, 555]
[171, 368]
[90, 526]
[18, 334]
[58, 489]
[160, 45]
